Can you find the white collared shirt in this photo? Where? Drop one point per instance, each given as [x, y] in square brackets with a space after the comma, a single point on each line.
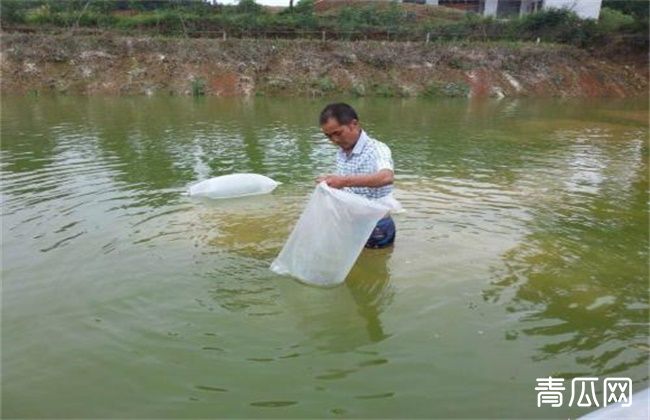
[368, 156]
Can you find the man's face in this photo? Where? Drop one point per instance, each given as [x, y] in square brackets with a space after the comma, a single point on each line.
[343, 135]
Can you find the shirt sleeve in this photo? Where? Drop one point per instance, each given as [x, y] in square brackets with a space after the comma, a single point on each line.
[384, 158]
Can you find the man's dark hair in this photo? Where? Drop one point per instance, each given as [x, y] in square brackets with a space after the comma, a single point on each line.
[343, 113]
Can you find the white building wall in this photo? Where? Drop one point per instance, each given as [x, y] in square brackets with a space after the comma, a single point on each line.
[490, 8]
[529, 6]
[586, 9]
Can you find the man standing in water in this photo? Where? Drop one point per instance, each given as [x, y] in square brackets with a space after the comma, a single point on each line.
[364, 165]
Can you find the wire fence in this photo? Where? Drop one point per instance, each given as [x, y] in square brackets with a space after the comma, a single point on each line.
[294, 34]
[323, 35]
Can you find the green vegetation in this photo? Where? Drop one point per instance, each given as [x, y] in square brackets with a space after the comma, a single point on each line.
[198, 18]
[612, 20]
[358, 89]
[381, 89]
[198, 87]
[452, 90]
[173, 17]
[325, 84]
[640, 10]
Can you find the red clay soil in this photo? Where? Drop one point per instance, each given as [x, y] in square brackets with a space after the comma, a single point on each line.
[125, 65]
[225, 84]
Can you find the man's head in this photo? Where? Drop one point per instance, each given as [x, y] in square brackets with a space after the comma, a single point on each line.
[340, 123]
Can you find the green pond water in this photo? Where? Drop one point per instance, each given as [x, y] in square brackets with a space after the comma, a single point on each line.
[523, 254]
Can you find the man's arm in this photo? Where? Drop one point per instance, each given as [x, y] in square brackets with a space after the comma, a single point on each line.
[378, 179]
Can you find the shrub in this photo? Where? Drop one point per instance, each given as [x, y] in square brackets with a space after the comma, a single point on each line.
[13, 11]
[249, 6]
[451, 90]
[198, 87]
[612, 20]
[325, 84]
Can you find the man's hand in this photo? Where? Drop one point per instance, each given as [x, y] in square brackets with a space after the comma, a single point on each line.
[333, 181]
[374, 180]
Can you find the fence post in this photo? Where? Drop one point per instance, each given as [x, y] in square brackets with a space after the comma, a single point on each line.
[224, 35]
[323, 36]
[428, 37]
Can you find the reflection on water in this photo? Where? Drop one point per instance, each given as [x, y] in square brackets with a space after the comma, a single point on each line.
[540, 208]
[336, 320]
[369, 285]
[579, 277]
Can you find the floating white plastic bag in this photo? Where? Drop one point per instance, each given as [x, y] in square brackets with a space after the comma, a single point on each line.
[328, 237]
[235, 185]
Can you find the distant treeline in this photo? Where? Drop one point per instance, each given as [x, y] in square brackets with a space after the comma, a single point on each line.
[196, 18]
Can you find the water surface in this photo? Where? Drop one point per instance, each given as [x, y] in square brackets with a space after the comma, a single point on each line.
[523, 254]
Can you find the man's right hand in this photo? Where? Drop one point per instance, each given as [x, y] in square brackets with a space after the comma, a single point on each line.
[333, 181]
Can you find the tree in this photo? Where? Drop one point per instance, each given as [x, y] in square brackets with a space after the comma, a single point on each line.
[636, 8]
[305, 7]
[249, 6]
[13, 11]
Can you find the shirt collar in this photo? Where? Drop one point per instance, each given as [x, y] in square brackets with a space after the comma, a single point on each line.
[358, 147]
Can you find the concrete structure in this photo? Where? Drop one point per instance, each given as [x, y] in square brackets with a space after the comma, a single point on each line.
[586, 9]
